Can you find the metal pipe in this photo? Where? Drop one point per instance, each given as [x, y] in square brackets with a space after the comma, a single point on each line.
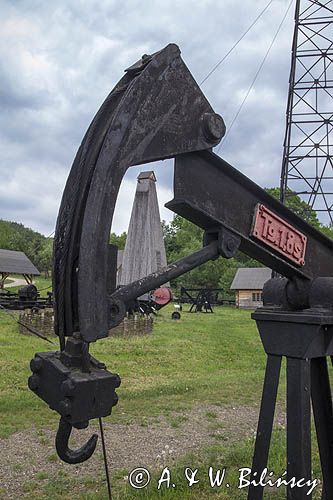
[133, 290]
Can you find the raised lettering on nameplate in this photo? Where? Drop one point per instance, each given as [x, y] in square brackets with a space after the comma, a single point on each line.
[279, 234]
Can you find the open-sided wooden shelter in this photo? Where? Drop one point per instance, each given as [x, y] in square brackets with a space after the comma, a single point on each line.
[13, 262]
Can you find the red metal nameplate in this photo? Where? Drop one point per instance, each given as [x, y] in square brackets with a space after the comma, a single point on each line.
[278, 234]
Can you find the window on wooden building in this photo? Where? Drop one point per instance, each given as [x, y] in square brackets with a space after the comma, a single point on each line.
[256, 296]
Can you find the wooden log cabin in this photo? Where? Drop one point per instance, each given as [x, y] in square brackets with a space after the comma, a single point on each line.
[248, 284]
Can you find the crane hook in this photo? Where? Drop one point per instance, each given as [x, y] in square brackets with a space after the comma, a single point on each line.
[63, 450]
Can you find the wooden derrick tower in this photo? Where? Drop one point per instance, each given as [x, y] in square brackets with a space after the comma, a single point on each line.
[144, 251]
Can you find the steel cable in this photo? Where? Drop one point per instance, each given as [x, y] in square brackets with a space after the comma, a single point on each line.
[256, 75]
[236, 43]
[107, 473]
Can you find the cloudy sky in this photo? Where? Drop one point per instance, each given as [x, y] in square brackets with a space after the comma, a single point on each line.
[59, 60]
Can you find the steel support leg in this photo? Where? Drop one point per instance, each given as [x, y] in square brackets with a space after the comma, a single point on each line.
[323, 415]
[298, 426]
[265, 424]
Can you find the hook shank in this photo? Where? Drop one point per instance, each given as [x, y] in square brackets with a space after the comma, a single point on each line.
[63, 450]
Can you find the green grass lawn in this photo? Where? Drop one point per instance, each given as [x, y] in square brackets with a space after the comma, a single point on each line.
[201, 359]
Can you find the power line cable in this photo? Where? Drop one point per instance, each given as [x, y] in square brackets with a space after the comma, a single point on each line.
[255, 76]
[236, 43]
[46, 288]
[43, 241]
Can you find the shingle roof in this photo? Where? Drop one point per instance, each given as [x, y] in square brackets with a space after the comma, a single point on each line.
[251, 278]
[16, 263]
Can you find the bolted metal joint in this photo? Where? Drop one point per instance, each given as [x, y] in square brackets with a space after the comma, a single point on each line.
[228, 242]
[321, 293]
[76, 395]
[117, 312]
[36, 364]
[286, 294]
[213, 127]
[33, 382]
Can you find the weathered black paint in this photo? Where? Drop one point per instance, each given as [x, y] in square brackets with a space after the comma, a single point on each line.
[157, 111]
[210, 192]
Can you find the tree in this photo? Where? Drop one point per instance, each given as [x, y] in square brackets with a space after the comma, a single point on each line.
[182, 238]
[45, 257]
[303, 210]
[298, 206]
[328, 231]
[14, 236]
[118, 240]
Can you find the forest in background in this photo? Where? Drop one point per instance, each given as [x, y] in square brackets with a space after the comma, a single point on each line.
[181, 238]
[37, 247]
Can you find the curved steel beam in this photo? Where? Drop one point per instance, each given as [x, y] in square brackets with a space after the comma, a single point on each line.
[67, 454]
[156, 111]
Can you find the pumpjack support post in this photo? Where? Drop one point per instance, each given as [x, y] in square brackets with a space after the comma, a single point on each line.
[305, 339]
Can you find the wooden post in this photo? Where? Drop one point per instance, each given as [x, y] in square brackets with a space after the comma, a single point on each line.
[28, 278]
[3, 278]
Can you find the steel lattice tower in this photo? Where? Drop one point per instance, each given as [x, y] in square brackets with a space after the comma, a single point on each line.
[307, 166]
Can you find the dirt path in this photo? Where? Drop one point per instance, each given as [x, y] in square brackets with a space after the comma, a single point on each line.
[26, 455]
[16, 282]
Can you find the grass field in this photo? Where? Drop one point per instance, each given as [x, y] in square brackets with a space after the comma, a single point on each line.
[199, 361]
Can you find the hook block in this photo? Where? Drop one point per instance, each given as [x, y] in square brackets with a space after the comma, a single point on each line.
[76, 395]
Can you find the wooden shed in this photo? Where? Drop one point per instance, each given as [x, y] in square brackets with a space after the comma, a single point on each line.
[12, 262]
[248, 284]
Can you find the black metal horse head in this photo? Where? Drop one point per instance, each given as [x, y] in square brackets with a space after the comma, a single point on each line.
[156, 111]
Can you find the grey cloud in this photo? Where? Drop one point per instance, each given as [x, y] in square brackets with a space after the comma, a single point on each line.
[61, 59]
